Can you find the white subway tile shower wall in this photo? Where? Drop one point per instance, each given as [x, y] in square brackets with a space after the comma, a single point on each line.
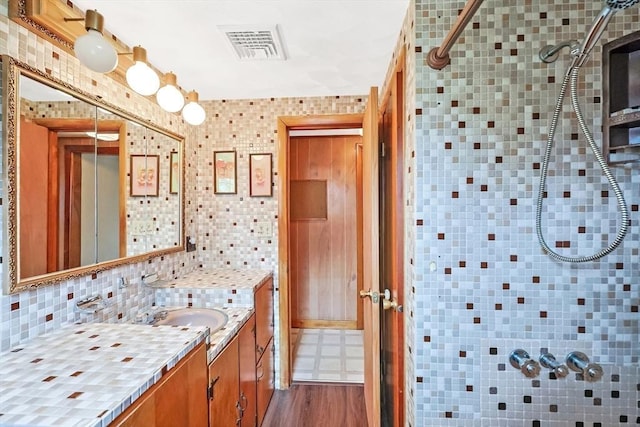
[481, 128]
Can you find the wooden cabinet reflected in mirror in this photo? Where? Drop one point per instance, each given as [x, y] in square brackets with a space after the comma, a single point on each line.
[70, 212]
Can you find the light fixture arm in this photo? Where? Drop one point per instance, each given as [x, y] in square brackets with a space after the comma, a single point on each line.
[92, 21]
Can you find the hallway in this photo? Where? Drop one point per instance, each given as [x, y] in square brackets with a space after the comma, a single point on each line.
[328, 355]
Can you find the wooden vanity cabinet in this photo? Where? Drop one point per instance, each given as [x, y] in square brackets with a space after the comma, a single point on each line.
[224, 387]
[247, 363]
[264, 346]
[232, 381]
[242, 376]
[179, 398]
[263, 297]
[266, 379]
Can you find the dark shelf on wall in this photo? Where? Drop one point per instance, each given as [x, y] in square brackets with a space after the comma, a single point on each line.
[621, 99]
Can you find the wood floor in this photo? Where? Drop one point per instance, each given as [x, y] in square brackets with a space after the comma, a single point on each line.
[317, 405]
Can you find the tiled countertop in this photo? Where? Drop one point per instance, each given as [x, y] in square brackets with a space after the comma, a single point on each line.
[86, 375]
[219, 339]
[222, 278]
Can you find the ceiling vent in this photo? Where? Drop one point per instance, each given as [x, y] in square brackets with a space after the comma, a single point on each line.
[255, 43]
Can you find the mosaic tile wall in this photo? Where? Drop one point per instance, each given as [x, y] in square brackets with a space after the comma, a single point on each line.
[28, 314]
[226, 224]
[481, 128]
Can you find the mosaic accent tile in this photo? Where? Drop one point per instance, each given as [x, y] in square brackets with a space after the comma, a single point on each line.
[212, 288]
[480, 129]
[88, 374]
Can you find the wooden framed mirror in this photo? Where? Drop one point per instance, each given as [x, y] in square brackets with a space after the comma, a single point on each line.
[69, 206]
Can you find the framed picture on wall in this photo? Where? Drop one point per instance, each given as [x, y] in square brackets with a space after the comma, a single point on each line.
[224, 172]
[143, 175]
[174, 172]
[260, 182]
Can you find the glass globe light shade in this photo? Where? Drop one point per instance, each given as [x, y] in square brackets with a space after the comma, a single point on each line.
[168, 96]
[193, 113]
[143, 79]
[95, 52]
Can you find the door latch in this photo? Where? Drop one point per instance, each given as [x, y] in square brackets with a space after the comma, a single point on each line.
[374, 295]
[389, 303]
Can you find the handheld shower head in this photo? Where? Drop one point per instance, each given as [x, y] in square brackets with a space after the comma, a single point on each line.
[598, 27]
[621, 4]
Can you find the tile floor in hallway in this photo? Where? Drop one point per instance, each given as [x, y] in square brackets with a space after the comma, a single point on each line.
[328, 355]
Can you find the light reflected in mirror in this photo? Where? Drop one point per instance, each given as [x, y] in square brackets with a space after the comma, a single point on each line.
[77, 210]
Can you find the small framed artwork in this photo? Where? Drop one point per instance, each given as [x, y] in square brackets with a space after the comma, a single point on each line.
[174, 172]
[260, 184]
[143, 175]
[224, 172]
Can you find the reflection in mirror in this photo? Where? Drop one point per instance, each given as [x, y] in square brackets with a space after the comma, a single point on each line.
[56, 160]
[74, 210]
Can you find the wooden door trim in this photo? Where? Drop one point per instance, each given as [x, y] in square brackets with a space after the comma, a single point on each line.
[285, 124]
[359, 233]
[53, 203]
[325, 324]
[395, 93]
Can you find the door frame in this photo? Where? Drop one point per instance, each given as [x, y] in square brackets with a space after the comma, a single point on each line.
[395, 94]
[286, 124]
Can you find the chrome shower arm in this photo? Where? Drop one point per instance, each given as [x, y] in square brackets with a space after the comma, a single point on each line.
[550, 52]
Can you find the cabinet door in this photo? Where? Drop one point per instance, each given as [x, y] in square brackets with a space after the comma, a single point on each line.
[264, 316]
[266, 378]
[179, 398]
[247, 357]
[224, 389]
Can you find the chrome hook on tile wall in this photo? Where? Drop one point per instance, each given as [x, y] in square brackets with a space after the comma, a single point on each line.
[521, 360]
[549, 361]
[579, 362]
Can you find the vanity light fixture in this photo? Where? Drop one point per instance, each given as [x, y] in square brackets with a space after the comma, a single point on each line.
[168, 96]
[92, 49]
[193, 113]
[140, 77]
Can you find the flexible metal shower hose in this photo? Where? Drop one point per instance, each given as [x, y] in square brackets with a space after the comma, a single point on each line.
[572, 75]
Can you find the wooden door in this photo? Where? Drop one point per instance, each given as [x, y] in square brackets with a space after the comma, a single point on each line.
[392, 255]
[371, 279]
[34, 197]
[323, 231]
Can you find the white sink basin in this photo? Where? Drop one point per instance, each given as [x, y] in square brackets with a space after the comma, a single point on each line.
[214, 319]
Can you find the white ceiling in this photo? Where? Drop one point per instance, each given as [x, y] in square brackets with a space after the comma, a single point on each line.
[334, 47]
